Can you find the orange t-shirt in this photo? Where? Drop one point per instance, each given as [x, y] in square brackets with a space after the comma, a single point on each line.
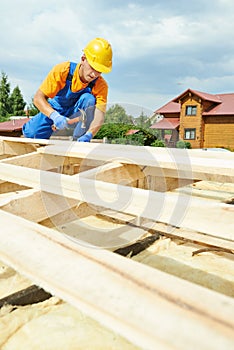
[56, 80]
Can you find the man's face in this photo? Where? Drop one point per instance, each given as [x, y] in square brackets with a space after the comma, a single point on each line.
[86, 72]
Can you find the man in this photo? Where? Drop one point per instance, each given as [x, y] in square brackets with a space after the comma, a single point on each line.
[73, 95]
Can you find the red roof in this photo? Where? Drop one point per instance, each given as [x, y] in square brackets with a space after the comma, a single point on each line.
[223, 103]
[167, 123]
[170, 107]
[203, 95]
[226, 107]
[13, 125]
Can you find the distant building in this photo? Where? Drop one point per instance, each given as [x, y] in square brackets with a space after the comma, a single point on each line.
[13, 127]
[205, 120]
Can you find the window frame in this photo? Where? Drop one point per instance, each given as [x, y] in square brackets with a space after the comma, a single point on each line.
[193, 111]
[190, 130]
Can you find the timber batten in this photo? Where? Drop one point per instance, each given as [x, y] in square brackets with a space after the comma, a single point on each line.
[68, 208]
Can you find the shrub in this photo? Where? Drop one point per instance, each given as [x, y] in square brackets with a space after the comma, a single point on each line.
[158, 143]
[183, 144]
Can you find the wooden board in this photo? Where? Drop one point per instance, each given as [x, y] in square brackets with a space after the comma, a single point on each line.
[215, 219]
[135, 300]
[68, 199]
[160, 162]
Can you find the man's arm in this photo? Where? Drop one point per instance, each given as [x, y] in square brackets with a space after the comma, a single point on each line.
[97, 121]
[40, 101]
[94, 126]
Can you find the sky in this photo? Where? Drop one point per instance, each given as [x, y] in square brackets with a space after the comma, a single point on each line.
[160, 47]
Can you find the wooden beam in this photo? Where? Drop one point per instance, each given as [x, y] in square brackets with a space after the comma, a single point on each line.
[211, 269]
[154, 228]
[174, 209]
[167, 162]
[60, 220]
[17, 148]
[24, 140]
[132, 174]
[139, 303]
[31, 160]
[219, 187]
[6, 187]
[115, 173]
[37, 206]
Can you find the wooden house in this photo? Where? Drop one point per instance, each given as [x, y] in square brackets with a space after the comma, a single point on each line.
[206, 120]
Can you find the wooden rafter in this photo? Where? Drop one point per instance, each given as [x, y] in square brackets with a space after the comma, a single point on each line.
[148, 307]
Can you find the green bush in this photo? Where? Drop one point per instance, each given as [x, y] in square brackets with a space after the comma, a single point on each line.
[113, 130]
[183, 144]
[158, 143]
[116, 133]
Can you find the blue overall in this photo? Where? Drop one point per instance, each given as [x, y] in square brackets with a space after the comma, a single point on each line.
[68, 104]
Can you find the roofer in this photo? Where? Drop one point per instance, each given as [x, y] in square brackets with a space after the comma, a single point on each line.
[73, 95]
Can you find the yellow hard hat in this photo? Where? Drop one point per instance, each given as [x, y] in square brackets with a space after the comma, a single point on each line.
[99, 55]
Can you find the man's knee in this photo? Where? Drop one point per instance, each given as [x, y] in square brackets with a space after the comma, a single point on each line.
[86, 100]
[39, 126]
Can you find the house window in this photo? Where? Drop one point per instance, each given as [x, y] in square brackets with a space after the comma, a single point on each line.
[191, 110]
[189, 134]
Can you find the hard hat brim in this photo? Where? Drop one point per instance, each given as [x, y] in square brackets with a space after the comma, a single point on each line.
[99, 67]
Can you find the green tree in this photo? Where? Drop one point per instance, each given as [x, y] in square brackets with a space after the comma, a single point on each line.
[142, 121]
[117, 114]
[4, 96]
[16, 102]
[32, 109]
[113, 131]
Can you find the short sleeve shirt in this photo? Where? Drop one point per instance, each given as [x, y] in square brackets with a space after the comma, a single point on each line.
[56, 80]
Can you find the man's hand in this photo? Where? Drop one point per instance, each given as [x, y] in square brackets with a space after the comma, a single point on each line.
[86, 137]
[60, 122]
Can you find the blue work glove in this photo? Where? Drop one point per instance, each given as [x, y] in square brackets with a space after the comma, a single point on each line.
[86, 137]
[60, 122]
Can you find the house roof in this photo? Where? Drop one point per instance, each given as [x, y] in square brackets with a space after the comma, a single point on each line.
[226, 107]
[203, 95]
[167, 123]
[170, 107]
[223, 103]
[13, 125]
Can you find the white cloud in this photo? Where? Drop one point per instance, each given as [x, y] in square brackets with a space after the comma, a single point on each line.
[223, 84]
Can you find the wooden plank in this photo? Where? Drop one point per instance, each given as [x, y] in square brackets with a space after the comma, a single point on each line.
[215, 219]
[60, 164]
[1, 148]
[168, 231]
[6, 187]
[17, 148]
[114, 173]
[167, 162]
[203, 153]
[139, 303]
[132, 174]
[70, 214]
[31, 160]
[214, 186]
[24, 140]
[101, 233]
[211, 269]
[35, 205]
